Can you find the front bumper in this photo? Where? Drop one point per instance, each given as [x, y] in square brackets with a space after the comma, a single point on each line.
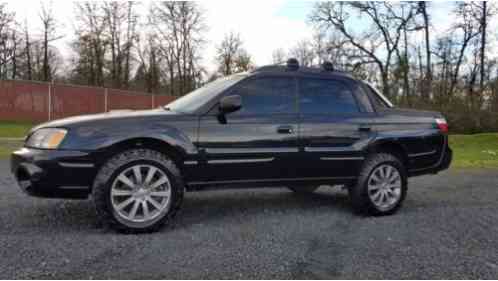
[53, 173]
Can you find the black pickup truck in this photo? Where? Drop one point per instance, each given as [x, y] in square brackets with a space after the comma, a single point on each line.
[282, 125]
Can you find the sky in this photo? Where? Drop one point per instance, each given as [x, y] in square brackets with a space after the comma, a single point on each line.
[263, 25]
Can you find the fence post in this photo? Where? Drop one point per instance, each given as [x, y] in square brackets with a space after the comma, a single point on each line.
[49, 101]
[153, 101]
[105, 99]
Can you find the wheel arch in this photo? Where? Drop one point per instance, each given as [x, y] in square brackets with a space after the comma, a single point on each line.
[176, 153]
[391, 147]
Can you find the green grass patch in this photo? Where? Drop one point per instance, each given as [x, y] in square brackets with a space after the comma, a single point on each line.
[14, 129]
[9, 131]
[475, 151]
[7, 146]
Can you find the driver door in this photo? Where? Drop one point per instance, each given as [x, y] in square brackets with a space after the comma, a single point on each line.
[259, 141]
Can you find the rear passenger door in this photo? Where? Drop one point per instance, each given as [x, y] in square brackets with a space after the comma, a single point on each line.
[334, 128]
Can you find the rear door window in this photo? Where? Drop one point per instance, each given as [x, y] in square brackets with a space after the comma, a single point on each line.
[326, 96]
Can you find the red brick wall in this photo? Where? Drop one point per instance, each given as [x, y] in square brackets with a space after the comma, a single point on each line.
[39, 102]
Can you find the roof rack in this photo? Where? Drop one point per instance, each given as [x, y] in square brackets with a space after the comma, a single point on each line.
[328, 66]
[292, 64]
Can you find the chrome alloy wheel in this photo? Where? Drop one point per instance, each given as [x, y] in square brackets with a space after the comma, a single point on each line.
[384, 187]
[140, 194]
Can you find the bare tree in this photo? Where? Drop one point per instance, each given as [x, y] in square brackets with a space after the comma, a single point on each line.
[91, 44]
[6, 19]
[148, 72]
[483, 11]
[331, 47]
[179, 28]
[243, 61]
[114, 17]
[6, 46]
[121, 22]
[319, 46]
[49, 25]
[303, 52]
[444, 52]
[386, 27]
[231, 56]
[27, 51]
[402, 50]
[226, 53]
[483, 26]
[15, 42]
[426, 92]
[278, 56]
[469, 29]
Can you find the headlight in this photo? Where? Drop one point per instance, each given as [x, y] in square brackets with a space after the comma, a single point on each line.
[49, 138]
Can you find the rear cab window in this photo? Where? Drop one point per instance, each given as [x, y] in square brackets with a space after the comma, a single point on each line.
[326, 96]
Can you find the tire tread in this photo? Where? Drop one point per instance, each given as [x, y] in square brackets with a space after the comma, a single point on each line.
[100, 190]
[358, 193]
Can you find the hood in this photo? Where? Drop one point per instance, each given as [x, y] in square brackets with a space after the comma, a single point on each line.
[114, 114]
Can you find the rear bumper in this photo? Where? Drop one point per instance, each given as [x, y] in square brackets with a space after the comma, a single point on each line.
[442, 165]
[53, 173]
[448, 157]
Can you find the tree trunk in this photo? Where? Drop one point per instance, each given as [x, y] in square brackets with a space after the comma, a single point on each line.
[483, 46]
[428, 75]
[45, 56]
[406, 69]
[14, 56]
[28, 56]
[459, 62]
[385, 83]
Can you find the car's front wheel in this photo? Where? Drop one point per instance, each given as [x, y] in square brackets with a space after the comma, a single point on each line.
[381, 187]
[138, 190]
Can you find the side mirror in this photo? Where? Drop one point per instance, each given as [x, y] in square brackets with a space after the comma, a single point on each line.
[230, 104]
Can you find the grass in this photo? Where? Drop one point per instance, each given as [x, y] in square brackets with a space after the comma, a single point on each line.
[475, 151]
[7, 146]
[469, 151]
[14, 129]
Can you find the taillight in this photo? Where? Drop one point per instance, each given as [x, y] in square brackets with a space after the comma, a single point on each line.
[442, 124]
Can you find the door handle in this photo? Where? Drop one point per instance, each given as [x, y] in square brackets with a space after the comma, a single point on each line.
[364, 128]
[285, 130]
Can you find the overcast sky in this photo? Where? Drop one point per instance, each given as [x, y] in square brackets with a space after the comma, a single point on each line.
[263, 25]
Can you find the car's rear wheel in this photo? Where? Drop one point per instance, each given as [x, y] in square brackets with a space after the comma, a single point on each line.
[138, 190]
[381, 187]
[303, 189]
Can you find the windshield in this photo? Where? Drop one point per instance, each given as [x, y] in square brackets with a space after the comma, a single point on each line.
[195, 99]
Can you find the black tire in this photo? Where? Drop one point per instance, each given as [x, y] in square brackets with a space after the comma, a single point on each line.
[303, 189]
[358, 193]
[101, 192]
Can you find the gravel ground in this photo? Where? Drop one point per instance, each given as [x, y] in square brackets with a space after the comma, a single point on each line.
[446, 229]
